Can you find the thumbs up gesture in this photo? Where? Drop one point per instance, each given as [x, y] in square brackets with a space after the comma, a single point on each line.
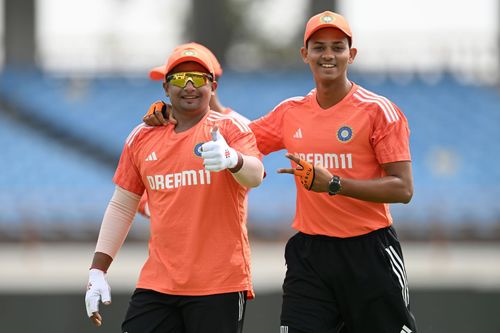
[216, 154]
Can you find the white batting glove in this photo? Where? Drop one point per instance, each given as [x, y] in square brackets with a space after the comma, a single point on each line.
[216, 154]
[97, 289]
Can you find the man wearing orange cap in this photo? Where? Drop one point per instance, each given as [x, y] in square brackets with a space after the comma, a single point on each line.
[197, 174]
[157, 73]
[159, 108]
[345, 268]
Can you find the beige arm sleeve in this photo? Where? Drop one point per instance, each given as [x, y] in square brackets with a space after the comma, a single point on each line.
[117, 221]
[251, 172]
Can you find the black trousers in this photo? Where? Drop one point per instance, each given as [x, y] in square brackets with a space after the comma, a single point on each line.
[348, 285]
[153, 312]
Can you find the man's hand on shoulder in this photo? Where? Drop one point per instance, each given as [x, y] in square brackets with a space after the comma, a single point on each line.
[159, 114]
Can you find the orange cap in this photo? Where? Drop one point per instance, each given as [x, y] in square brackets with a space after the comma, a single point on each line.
[327, 19]
[183, 53]
[213, 58]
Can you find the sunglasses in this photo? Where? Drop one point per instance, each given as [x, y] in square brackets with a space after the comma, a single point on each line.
[197, 79]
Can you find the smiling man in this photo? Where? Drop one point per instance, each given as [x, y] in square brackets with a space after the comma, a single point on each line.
[197, 174]
[345, 269]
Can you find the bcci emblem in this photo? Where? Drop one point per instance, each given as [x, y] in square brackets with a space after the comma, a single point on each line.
[327, 19]
[197, 149]
[344, 134]
[189, 53]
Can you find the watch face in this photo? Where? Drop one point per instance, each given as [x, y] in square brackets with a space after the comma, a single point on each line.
[334, 185]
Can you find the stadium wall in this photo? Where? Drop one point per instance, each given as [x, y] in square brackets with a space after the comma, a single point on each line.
[441, 310]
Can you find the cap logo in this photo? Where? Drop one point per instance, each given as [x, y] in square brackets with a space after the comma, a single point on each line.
[189, 53]
[327, 19]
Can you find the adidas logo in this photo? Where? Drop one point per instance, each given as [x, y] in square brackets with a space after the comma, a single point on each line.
[151, 157]
[298, 134]
[406, 330]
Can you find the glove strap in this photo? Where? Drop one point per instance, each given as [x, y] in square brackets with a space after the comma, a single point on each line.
[238, 165]
[95, 267]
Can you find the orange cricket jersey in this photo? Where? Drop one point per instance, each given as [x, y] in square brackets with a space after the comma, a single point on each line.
[351, 139]
[199, 243]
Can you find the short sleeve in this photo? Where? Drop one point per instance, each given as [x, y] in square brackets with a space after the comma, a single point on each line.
[391, 137]
[127, 174]
[240, 137]
[268, 130]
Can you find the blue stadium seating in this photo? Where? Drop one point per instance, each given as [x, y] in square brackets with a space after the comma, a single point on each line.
[454, 142]
[44, 184]
[101, 111]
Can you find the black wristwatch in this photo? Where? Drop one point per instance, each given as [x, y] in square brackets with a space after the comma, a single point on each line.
[334, 185]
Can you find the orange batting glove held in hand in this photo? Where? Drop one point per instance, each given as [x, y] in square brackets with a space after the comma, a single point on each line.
[305, 171]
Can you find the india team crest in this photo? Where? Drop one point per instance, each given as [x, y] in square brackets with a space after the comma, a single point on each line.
[327, 19]
[197, 149]
[189, 53]
[344, 134]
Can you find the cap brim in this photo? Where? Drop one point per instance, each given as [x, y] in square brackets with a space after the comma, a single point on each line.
[187, 59]
[158, 73]
[327, 25]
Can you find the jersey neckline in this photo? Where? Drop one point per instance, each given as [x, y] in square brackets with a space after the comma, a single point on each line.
[192, 129]
[318, 108]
